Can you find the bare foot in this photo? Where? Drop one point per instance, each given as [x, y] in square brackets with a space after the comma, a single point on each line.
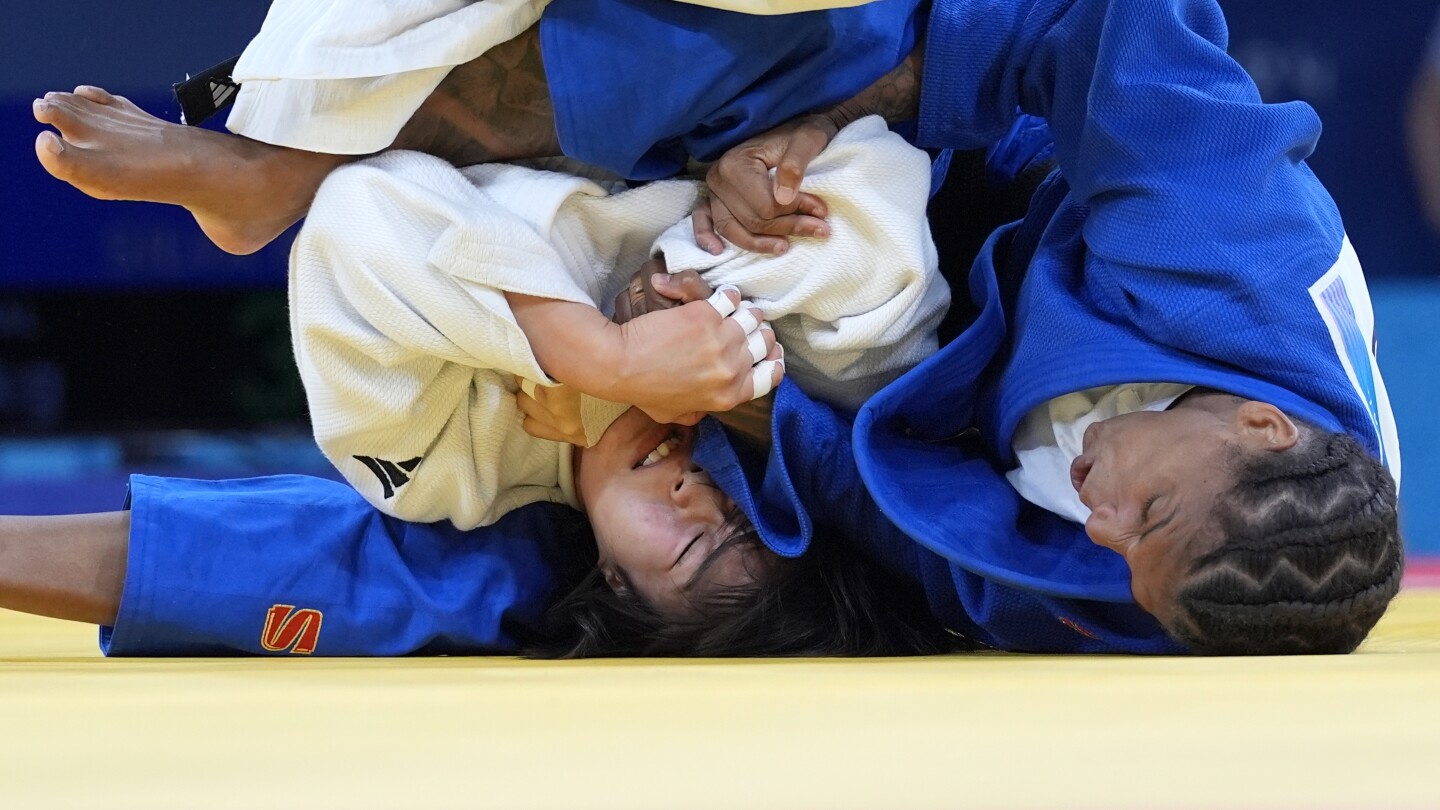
[243, 193]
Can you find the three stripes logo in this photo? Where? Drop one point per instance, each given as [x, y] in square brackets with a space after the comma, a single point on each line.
[392, 475]
[290, 630]
[220, 93]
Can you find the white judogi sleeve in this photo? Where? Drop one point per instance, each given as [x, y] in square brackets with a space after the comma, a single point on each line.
[405, 342]
[343, 76]
[859, 309]
[406, 345]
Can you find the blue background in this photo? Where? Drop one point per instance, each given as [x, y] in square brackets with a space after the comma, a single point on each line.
[1352, 61]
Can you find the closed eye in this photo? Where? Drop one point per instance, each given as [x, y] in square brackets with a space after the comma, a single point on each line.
[687, 548]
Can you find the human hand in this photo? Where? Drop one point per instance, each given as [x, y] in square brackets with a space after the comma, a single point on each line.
[552, 412]
[754, 211]
[712, 355]
[652, 289]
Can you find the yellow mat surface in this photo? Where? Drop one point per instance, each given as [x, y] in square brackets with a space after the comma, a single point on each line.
[982, 731]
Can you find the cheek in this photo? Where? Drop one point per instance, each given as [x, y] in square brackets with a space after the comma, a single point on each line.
[631, 535]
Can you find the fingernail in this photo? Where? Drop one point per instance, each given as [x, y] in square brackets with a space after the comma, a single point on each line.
[781, 248]
[38, 105]
[822, 232]
[660, 279]
[784, 195]
[52, 144]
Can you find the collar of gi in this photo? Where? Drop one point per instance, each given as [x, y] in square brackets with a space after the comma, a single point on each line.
[762, 487]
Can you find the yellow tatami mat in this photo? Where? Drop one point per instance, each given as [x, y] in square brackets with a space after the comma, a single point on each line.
[981, 731]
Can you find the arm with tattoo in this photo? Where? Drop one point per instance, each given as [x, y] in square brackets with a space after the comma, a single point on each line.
[492, 108]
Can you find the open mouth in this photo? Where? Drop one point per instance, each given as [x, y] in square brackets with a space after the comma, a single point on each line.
[667, 445]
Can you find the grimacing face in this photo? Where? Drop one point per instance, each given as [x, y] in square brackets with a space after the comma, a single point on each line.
[657, 516]
[1151, 480]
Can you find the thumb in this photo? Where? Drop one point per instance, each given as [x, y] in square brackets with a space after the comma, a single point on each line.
[802, 148]
[685, 286]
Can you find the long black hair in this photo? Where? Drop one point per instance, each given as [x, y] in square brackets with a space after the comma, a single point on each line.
[829, 601]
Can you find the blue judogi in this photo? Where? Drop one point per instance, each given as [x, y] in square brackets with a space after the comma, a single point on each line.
[1182, 240]
[639, 86]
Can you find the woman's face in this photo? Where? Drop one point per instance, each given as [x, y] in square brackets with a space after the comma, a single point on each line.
[657, 516]
[1152, 479]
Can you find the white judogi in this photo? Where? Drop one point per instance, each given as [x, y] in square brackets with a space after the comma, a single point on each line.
[408, 349]
[343, 76]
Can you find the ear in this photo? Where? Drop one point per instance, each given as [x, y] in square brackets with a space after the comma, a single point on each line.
[615, 581]
[1263, 426]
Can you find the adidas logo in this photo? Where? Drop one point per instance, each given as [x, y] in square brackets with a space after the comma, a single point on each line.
[220, 94]
[392, 475]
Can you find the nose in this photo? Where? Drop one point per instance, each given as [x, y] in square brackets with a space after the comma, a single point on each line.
[1103, 526]
[682, 491]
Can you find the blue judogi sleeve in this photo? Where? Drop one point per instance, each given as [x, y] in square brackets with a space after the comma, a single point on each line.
[639, 85]
[1192, 222]
[299, 565]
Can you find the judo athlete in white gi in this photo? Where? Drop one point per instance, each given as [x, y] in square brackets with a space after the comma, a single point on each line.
[404, 289]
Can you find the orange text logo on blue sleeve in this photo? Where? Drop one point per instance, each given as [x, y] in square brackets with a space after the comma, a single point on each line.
[290, 630]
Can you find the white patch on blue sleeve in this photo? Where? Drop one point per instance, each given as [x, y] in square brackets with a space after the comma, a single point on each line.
[1343, 300]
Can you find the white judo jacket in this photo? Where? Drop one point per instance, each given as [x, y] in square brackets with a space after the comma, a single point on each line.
[409, 352]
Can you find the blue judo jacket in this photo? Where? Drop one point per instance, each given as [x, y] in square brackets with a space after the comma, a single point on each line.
[1183, 239]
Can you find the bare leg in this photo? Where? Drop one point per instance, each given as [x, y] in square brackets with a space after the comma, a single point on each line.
[244, 193]
[66, 567]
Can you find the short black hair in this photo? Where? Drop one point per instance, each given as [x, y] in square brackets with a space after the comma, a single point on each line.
[1310, 554]
[829, 601]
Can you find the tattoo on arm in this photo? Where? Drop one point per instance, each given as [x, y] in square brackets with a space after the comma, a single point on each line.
[894, 96]
[494, 107]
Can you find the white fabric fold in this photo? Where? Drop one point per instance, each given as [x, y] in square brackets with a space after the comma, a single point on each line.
[858, 309]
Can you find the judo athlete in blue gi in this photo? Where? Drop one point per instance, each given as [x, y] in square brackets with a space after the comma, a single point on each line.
[1174, 348]
[1183, 242]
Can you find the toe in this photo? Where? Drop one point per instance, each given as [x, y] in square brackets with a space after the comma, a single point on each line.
[75, 165]
[50, 149]
[56, 111]
[96, 94]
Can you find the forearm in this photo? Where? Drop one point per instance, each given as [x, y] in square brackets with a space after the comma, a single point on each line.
[66, 567]
[895, 96]
[1423, 138]
[574, 343]
[495, 107]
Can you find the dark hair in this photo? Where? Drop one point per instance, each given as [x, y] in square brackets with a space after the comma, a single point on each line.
[1310, 556]
[829, 601]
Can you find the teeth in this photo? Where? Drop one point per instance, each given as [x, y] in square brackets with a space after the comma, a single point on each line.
[662, 451]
